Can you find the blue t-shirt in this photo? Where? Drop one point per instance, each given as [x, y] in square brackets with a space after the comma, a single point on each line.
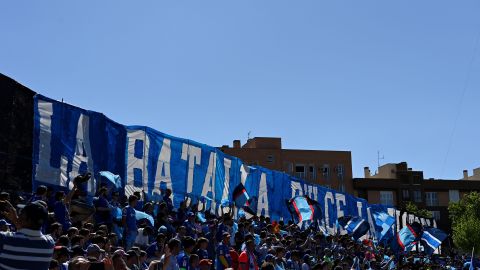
[202, 254]
[223, 249]
[183, 259]
[129, 213]
[102, 216]
[61, 214]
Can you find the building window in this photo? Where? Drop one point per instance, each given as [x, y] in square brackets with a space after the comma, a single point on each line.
[340, 171]
[406, 194]
[300, 171]
[453, 195]
[435, 215]
[386, 197]
[431, 198]
[312, 172]
[417, 196]
[326, 171]
[270, 159]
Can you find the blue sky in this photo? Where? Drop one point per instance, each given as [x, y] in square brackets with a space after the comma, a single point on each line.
[338, 75]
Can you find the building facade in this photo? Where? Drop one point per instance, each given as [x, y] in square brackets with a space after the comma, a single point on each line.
[332, 169]
[397, 184]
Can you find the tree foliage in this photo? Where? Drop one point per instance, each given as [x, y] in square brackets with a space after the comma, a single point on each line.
[413, 208]
[465, 217]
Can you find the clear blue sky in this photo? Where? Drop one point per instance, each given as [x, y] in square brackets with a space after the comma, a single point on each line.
[343, 75]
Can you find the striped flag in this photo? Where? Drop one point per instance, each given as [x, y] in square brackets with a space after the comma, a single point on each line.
[304, 209]
[240, 196]
[432, 238]
[355, 226]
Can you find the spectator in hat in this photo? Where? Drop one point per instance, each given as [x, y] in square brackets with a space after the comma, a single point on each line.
[95, 252]
[132, 260]
[27, 248]
[223, 253]
[4, 225]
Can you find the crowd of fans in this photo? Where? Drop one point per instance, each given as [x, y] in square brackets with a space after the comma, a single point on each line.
[42, 232]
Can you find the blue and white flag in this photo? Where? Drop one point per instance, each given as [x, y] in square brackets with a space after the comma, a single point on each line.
[383, 223]
[115, 179]
[355, 226]
[139, 215]
[432, 238]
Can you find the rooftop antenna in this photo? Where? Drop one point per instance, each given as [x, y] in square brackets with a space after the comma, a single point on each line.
[248, 135]
[379, 158]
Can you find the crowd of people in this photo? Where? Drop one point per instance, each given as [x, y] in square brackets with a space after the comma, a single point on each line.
[41, 232]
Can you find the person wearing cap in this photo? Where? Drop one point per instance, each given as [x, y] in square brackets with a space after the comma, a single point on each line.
[4, 225]
[132, 259]
[27, 248]
[223, 253]
[129, 222]
[94, 251]
[247, 258]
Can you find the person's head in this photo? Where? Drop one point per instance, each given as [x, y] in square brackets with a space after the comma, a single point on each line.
[33, 215]
[56, 229]
[94, 251]
[132, 200]
[63, 241]
[41, 190]
[76, 251]
[118, 261]
[193, 261]
[4, 196]
[182, 230]
[160, 239]
[61, 254]
[188, 244]
[4, 225]
[77, 240]
[174, 246]
[267, 266]
[226, 238]
[279, 252]
[79, 263]
[72, 231]
[168, 192]
[147, 231]
[202, 243]
[143, 257]
[132, 258]
[102, 192]
[205, 264]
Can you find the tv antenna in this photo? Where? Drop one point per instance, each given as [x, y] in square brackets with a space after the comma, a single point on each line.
[248, 135]
[379, 158]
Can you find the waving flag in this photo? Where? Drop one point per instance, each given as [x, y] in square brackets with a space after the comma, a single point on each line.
[383, 223]
[406, 236]
[139, 215]
[240, 196]
[355, 226]
[432, 238]
[303, 209]
[113, 178]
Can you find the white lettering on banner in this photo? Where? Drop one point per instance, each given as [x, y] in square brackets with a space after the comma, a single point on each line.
[311, 191]
[359, 208]
[263, 196]
[136, 163]
[340, 201]
[209, 183]
[227, 164]
[328, 199]
[43, 171]
[194, 156]
[244, 171]
[163, 167]
[83, 153]
[296, 189]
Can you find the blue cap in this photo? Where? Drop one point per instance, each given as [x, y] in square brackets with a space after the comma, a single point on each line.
[162, 229]
[3, 222]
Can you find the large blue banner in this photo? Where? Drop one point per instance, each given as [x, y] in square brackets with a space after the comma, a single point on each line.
[69, 141]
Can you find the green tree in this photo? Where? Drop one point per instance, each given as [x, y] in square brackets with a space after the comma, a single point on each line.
[413, 208]
[465, 217]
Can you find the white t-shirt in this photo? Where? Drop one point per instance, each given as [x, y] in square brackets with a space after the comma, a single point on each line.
[141, 240]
